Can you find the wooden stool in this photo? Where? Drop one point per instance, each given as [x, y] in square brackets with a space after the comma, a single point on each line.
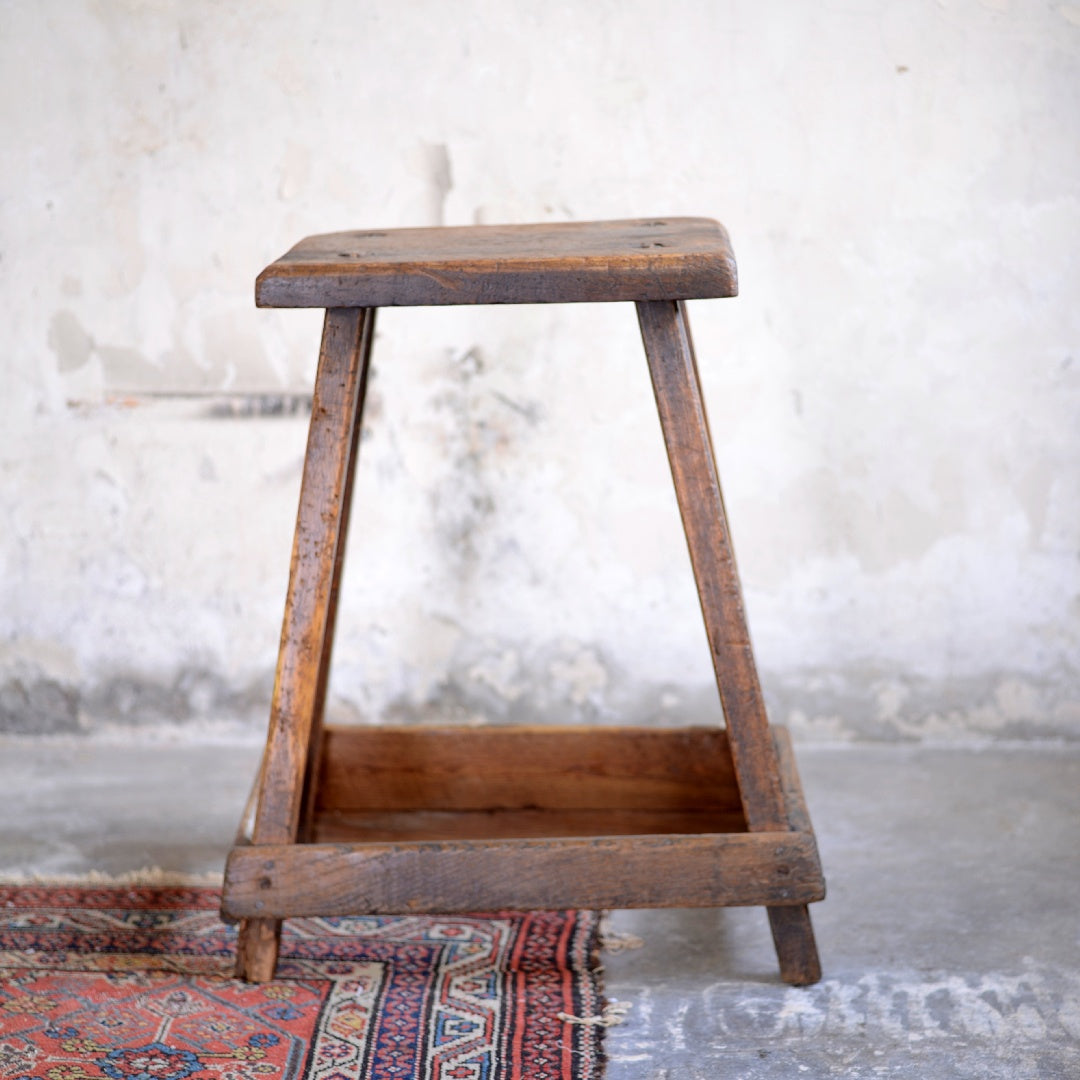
[356, 821]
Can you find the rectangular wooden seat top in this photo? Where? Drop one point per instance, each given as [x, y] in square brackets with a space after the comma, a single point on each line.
[567, 262]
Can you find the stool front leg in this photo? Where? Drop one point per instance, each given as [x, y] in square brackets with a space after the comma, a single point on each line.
[676, 384]
[310, 606]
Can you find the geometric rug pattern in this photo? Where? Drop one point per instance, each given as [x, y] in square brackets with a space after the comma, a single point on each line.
[118, 983]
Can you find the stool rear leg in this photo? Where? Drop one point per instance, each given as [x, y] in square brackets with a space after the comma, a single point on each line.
[314, 752]
[310, 605]
[673, 367]
[793, 936]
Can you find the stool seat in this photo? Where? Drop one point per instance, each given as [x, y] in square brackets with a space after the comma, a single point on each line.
[557, 263]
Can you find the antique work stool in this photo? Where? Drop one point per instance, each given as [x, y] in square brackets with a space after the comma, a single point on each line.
[365, 820]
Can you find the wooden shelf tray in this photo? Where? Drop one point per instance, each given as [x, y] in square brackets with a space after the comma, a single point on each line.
[458, 819]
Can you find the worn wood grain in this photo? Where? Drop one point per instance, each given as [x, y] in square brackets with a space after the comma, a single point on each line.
[567, 262]
[486, 768]
[453, 819]
[417, 783]
[798, 817]
[257, 949]
[793, 937]
[792, 929]
[697, 486]
[311, 777]
[339, 388]
[334, 826]
[677, 386]
[599, 872]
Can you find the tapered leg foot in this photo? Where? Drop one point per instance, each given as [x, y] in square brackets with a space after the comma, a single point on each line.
[257, 949]
[796, 949]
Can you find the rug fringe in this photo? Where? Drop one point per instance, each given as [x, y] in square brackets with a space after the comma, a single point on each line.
[614, 1014]
[616, 941]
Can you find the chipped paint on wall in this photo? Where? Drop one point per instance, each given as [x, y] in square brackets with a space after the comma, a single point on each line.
[893, 396]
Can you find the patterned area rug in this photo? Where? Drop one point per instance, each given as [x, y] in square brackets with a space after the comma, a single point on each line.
[134, 984]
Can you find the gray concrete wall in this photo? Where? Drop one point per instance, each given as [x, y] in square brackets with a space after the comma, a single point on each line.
[894, 395]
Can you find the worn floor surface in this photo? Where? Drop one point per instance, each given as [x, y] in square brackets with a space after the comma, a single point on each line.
[950, 937]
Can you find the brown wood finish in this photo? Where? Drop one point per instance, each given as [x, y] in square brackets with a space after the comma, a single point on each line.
[257, 948]
[792, 931]
[518, 789]
[568, 262]
[402, 826]
[339, 390]
[315, 752]
[665, 332]
[452, 819]
[793, 937]
[798, 817]
[595, 872]
[485, 768]
[693, 467]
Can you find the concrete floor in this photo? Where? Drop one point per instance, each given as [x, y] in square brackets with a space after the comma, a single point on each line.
[950, 937]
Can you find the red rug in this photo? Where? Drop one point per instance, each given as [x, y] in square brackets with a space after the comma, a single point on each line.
[135, 984]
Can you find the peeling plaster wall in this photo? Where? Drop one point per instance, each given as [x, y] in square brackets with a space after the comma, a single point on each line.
[895, 396]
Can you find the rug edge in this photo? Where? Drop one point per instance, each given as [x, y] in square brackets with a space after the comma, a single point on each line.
[147, 876]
